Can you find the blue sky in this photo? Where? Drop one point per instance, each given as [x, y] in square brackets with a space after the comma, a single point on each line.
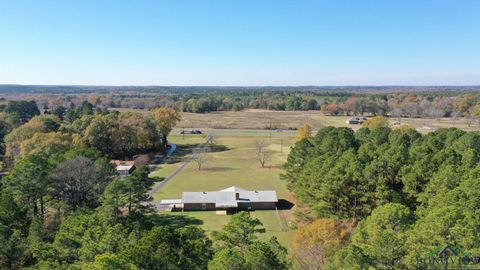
[201, 42]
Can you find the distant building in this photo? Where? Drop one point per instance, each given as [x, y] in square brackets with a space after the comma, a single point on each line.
[356, 120]
[226, 199]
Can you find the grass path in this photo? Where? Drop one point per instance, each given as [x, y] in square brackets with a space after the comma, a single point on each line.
[158, 186]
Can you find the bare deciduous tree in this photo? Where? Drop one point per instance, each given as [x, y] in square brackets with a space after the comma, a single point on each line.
[311, 257]
[212, 139]
[200, 156]
[79, 182]
[262, 153]
[454, 116]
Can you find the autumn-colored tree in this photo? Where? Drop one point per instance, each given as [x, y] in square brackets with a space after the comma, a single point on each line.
[165, 119]
[131, 136]
[350, 105]
[332, 109]
[99, 133]
[464, 102]
[317, 241]
[375, 122]
[38, 124]
[49, 143]
[304, 132]
[475, 112]
[404, 128]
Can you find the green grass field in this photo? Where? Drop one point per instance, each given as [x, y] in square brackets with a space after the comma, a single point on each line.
[236, 165]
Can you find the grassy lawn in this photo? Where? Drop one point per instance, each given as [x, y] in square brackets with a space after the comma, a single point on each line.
[164, 170]
[235, 165]
[185, 144]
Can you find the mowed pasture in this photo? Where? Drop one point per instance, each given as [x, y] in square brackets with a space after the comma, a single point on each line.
[233, 165]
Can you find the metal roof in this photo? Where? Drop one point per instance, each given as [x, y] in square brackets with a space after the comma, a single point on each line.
[227, 197]
[258, 196]
[174, 201]
[208, 197]
[233, 189]
[124, 167]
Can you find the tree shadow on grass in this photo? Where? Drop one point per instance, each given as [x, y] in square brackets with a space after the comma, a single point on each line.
[181, 152]
[171, 220]
[155, 179]
[217, 169]
[218, 148]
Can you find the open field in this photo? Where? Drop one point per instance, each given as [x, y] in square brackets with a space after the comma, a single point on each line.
[260, 119]
[234, 165]
[252, 119]
[285, 120]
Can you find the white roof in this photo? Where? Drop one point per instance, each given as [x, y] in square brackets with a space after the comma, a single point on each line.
[174, 201]
[208, 197]
[258, 196]
[232, 189]
[227, 197]
[124, 167]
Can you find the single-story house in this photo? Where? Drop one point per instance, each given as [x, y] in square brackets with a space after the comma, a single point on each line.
[124, 168]
[227, 199]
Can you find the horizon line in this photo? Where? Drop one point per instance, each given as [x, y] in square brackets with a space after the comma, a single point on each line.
[255, 86]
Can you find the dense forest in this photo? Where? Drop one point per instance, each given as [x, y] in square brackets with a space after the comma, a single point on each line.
[380, 197]
[63, 206]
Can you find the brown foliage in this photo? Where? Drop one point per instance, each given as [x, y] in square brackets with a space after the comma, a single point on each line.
[319, 240]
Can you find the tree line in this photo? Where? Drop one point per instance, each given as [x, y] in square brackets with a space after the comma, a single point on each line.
[122, 135]
[396, 104]
[380, 197]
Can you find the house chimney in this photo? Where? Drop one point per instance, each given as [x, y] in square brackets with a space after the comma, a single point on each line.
[237, 196]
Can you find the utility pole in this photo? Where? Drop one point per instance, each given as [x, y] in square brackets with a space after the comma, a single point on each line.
[270, 130]
[183, 133]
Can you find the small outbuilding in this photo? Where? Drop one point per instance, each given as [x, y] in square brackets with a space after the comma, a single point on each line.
[124, 168]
